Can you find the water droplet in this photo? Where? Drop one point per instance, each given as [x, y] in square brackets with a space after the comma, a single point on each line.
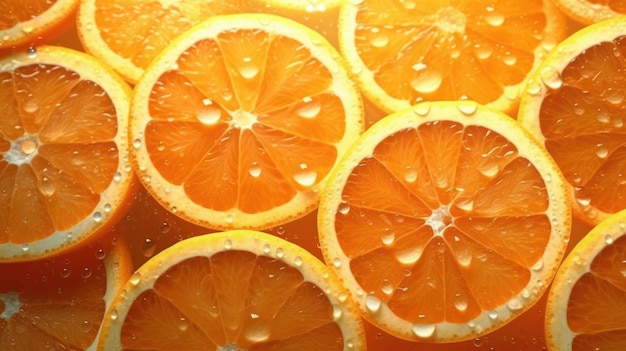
[483, 52]
[228, 244]
[514, 304]
[372, 303]
[100, 254]
[86, 273]
[428, 81]
[478, 342]
[297, 261]
[310, 110]
[344, 208]
[183, 324]
[388, 237]
[460, 303]
[467, 107]
[97, 216]
[248, 69]
[410, 176]
[148, 247]
[386, 287]
[230, 219]
[336, 262]
[305, 177]
[257, 334]
[255, 170]
[378, 39]
[137, 143]
[409, 256]
[538, 265]
[337, 312]
[280, 253]
[551, 77]
[608, 239]
[65, 272]
[25, 247]
[423, 331]
[209, 115]
[422, 109]
[465, 204]
[489, 170]
[31, 51]
[493, 315]
[583, 201]
[601, 151]
[135, 279]
[495, 19]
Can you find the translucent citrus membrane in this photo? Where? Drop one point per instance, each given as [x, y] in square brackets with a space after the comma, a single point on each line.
[452, 218]
[56, 139]
[438, 51]
[232, 300]
[583, 124]
[596, 298]
[246, 129]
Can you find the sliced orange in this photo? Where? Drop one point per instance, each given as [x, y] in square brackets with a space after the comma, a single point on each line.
[574, 105]
[404, 52]
[591, 11]
[128, 35]
[24, 23]
[237, 290]
[445, 221]
[239, 121]
[586, 303]
[64, 172]
[59, 303]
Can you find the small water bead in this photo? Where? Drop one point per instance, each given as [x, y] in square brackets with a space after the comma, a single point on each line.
[280, 253]
[602, 151]
[305, 176]
[583, 201]
[478, 342]
[495, 19]
[255, 170]
[460, 303]
[148, 247]
[373, 303]
[86, 273]
[422, 109]
[209, 115]
[183, 324]
[228, 244]
[493, 315]
[165, 227]
[310, 110]
[377, 38]
[388, 237]
[230, 219]
[608, 239]
[97, 216]
[467, 107]
[25, 247]
[514, 304]
[100, 254]
[428, 81]
[344, 208]
[65, 272]
[337, 262]
[337, 312]
[551, 77]
[538, 265]
[114, 314]
[31, 52]
[423, 331]
[135, 278]
[248, 69]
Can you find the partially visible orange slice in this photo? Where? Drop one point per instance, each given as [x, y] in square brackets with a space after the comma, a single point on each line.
[445, 221]
[574, 105]
[24, 23]
[238, 290]
[59, 303]
[64, 172]
[586, 304]
[239, 121]
[591, 11]
[404, 52]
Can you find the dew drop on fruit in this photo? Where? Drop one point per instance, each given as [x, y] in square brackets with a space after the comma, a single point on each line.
[423, 331]
[31, 52]
[378, 39]
[86, 273]
[65, 272]
[344, 208]
[608, 239]
[421, 109]
[297, 261]
[410, 176]
[257, 334]
[493, 315]
[100, 254]
[183, 324]
[97, 216]
[495, 19]
[467, 107]
[255, 170]
[209, 115]
[551, 77]
[309, 110]
[388, 237]
[148, 247]
[601, 151]
[460, 303]
[478, 342]
[135, 279]
[305, 177]
[428, 81]
[337, 312]
[113, 314]
[514, 304]
[25, 247]
[228, 244]
[248, 69]
[372, 303]
[85, 326]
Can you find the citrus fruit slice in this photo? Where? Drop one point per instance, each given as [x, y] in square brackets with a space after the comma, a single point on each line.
[238, 122]
[63, 140]
[236, 290]
[27, 23]
[591, 11]
[586, 303]
[574, 105]
[445, 221]
[404, 52]
[128, 35]
[59, 303]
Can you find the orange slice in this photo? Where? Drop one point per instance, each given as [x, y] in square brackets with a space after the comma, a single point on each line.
[64, 151]
[59, 303]
[238, 290]
[445, 221]
[128, 35]
[574, 105]
[239, 121]
[586, 303]
[27, 23]
[591, 11]
[404, 52]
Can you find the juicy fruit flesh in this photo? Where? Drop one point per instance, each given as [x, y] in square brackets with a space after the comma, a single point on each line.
[12, 14]
[246, 130]
[470, 227]
[583, 124]
[461, 51]
[56, 139]
[596, 297]
[232, 300]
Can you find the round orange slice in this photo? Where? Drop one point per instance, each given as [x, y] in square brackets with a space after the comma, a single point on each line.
[587, 300]
[591, 11]
[404, 52]
[238, 122]
[59, 303]
[236, 290]
[128, 35]
[64, 172]
[574, 105]
[445, 221]
[24, 23]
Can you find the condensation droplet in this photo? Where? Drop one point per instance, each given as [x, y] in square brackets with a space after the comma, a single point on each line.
[514, 304]
[209, 115]
[31, 52]
[148, 247]
[467, 107]
[428, 81]
[344, 208]
[228, 244]
[310, 110]
[248, 69]
[135, 279]
[372, 303]
[305, 177]
[410, 176]
[97, 216]
[423, 331]
[551, 77]
[255, 170]
[493, 315]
